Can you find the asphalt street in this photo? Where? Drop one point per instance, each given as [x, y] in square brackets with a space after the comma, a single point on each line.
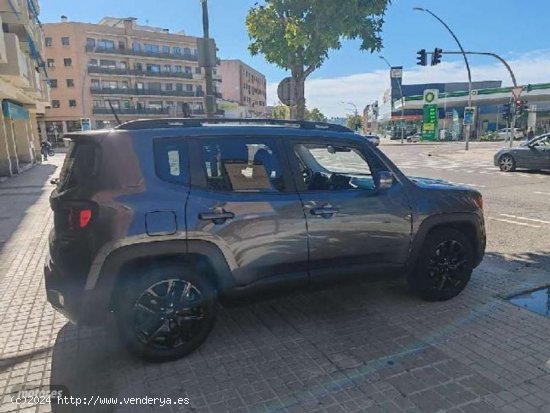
[516, 204]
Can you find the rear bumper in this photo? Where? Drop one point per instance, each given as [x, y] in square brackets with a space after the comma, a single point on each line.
[67, 295]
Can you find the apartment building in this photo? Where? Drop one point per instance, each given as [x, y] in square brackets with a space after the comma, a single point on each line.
[244, 85]
[117, 65]
[23, 88]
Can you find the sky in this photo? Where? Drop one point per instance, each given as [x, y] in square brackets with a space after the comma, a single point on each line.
[516, 30]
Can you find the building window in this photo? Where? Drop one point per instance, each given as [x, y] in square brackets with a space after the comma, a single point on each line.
[121, 45]
[55, 104]
[111, 64]
[198, 70]
[125, 104]
[92, 62]
[48, 41]
[68, 62]
[167, 68]
[168, 86]
[106, 44]
[151, 48]
[188, 69]
[189, 88]
[109, 84]
[72, 103]
[178, 69]
[123, 65]
[90, 42]
[51, 63]
[53, 83]
[95, 84]
[153, 68]
[187, 51]
[179, 87]
[166, 49]
[124, 84]
[70, 82]
[136, 47]
[65, 41]
[176, 51]
[98, 104]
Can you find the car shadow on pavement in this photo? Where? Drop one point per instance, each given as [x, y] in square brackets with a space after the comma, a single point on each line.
[18, 194]
[372, 343]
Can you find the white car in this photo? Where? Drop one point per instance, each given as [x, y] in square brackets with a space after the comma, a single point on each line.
[504, 133]
[414, 138]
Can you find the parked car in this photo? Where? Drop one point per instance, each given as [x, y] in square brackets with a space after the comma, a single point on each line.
[414, 138]
[375, 140]
[158, 220]
[505, 133]
[534, 154]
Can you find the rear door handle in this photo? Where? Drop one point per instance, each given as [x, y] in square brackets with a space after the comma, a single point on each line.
[217, 217]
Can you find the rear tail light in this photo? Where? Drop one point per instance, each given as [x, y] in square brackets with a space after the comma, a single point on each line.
[79, 217]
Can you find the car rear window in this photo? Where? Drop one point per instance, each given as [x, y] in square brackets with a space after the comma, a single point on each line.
[79, 165]
[171, 160]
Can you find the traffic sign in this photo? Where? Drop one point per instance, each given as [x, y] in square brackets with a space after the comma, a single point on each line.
[287, 92]
[516, 92]
[431, 96]
[469, 115]
[85, 124]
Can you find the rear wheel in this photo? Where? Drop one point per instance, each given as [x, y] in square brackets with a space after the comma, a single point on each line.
[166, 313]
[444, 266]
[507, 163]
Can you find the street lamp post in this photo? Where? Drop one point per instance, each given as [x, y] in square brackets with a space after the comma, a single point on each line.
[465, 61]
[209, 95]
[356, 111]
[402, 103]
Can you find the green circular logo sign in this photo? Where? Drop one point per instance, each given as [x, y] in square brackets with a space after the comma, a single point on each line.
[430, 97]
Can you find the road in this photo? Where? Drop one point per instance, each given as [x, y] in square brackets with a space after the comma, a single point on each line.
[516, 204]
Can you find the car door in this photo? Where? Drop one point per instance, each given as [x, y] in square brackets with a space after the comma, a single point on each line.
[536, 155]
[543, 148]
[244, 200]
[353, 225]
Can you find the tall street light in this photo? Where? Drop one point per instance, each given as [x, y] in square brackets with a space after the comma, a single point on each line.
[465, 61]
[356, 111]
[209, 95]
[402, 101]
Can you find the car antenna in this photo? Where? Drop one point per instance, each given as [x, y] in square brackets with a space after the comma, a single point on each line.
[113, 110]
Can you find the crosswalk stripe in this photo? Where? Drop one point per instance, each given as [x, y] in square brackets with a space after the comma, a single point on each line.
[514, 222]
[526, 219]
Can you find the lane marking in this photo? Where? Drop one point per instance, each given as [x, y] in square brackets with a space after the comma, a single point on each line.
[515, 222]
[526, 219]
[542, 193]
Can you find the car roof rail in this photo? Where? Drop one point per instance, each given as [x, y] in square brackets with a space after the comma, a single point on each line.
[198, 122]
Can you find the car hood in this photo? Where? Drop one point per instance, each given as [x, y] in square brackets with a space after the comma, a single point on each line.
[434, 183]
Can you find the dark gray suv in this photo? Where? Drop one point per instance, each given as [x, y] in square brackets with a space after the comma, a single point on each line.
[157, 220]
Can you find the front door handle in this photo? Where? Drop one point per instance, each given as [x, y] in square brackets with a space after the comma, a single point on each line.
[326, 211]
[217, 216]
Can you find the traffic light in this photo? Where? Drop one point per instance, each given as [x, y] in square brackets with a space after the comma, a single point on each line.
[436, 57]
[520, 106]
[422, 60]
[507, 111]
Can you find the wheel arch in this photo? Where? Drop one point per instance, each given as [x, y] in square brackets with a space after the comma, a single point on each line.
[467, 223]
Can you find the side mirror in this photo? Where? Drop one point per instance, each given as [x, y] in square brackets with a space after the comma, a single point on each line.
[385, 180]
[54, 181]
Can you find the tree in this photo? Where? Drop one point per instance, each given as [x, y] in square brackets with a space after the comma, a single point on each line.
[315, 115]
[281, 111]
[297, 35]
[354, 122]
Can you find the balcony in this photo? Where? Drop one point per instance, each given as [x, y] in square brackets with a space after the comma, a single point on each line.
[131, 52]
[140, 73]
[131, 111]
[143, 92]
[16, 69]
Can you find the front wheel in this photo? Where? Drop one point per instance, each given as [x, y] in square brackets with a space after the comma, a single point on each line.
[166, 313]
[507, 163]
[444, 266]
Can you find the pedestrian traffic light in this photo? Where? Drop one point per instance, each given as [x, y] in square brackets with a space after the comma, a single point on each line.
[507, 111]
[422, 61]
[436, 57]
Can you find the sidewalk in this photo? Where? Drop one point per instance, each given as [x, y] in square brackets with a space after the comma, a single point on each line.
[360, 348]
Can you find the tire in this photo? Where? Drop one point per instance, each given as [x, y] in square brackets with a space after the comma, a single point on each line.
[165, 313]
[444, 265]
[507, 163]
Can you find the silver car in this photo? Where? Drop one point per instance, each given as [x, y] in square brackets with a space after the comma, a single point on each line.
[533, 154]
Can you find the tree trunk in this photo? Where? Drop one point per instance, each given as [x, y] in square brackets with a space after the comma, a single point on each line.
[298, 109]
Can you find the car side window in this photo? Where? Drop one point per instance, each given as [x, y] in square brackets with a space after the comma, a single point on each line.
[333, 167]
[171, 160]
[242, 165]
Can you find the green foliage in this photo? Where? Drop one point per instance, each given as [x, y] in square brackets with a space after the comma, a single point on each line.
[297, 35]
[315, 115]
[354, 122]
[281, 111]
